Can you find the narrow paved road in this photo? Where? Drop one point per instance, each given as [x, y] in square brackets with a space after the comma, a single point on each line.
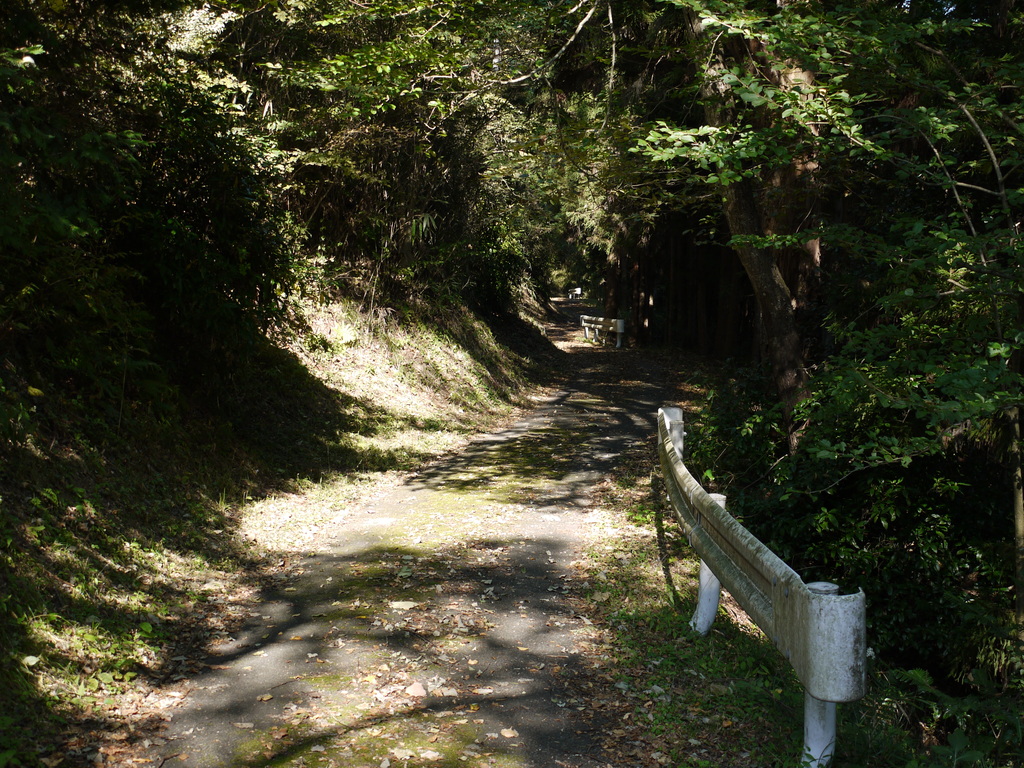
[444, 622]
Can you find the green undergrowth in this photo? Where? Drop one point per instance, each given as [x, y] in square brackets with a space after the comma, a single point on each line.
[730, 698]
[120, 523]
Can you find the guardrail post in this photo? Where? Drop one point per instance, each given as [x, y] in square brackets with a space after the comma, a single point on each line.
[709, 593]
[819, 732]
[819, 716]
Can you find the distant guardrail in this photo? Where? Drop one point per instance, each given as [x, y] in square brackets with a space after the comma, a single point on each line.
[821, 632]
[597, 324]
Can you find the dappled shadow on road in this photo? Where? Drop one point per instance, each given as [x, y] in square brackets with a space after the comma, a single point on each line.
[392, 651]
[484, 623]
[556, 456]
[416, 633]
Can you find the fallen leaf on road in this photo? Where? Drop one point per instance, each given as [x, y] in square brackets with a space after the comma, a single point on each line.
[416, 689]
[403, 605]
[509, 733]
[264, 697]
[244, 725]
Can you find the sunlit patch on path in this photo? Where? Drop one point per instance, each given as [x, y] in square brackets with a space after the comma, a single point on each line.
[443, 621]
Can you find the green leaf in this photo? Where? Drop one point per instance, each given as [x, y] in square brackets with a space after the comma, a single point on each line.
[754, 99]
[958, 740]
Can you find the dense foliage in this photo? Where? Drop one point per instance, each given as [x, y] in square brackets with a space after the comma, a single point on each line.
[135, 246]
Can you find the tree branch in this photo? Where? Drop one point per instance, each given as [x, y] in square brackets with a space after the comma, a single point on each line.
[611, 70]
[557, 56]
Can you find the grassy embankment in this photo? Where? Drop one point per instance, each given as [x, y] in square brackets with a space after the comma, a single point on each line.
[126, 533]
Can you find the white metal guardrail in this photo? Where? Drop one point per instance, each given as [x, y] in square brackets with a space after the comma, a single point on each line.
[598, 324]
[821, 632]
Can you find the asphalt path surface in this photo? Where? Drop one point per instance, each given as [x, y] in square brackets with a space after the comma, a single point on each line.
[442, 622]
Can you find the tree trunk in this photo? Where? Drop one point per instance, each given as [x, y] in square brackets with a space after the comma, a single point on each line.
[612, 282]
[1017, 484]
[775, 300]
[1003, 17]
[1018, 518]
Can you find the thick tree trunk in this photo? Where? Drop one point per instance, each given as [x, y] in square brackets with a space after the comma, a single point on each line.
[1018, 518]
[775, 300]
